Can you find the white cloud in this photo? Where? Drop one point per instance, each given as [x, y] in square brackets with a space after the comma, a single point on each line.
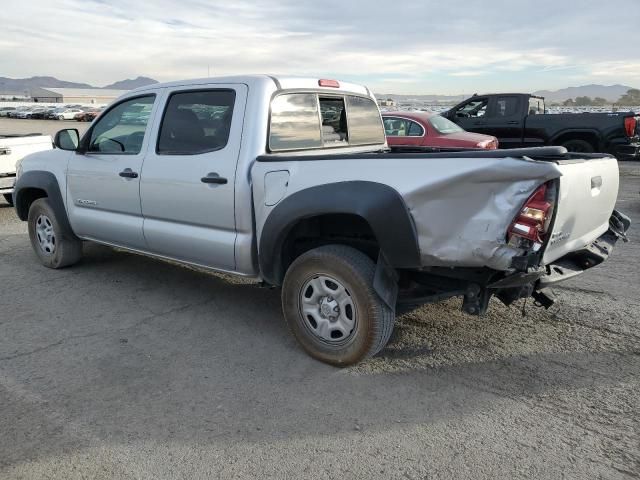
[101, 41]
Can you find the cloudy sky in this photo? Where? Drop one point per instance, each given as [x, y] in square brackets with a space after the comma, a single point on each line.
[412, 46]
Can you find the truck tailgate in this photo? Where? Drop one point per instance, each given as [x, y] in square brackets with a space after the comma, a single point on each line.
[587, 196]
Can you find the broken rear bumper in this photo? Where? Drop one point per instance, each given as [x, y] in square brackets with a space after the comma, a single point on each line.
[591, 255]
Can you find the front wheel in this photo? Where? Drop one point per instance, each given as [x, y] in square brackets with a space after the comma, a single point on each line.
[8, 198]
[331, 306]
[53, 248]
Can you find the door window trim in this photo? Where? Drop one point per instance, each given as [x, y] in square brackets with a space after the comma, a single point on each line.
[86, 139]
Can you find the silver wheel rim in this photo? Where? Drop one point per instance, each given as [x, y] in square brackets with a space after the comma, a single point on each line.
[45, 235]
[327, 309]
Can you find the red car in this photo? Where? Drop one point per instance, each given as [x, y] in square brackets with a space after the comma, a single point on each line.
[425, 130]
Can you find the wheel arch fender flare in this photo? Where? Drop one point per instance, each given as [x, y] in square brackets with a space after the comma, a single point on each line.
[567, 132]
[47, 182]
[381, 206]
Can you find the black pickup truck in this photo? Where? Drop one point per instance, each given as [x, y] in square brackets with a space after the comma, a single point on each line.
[520, 120]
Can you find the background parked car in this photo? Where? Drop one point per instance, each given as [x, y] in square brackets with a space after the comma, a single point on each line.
[88, 115]
[35, 113]
[16, 112]
[424, 131]
[52, 113]
[4, 111]
[68, 113]
[25, 112]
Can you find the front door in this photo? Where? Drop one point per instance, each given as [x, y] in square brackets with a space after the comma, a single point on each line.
[471, 115]
[188, 178]
[103, 182]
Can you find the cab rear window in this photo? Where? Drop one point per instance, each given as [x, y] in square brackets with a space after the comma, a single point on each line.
[302, 121]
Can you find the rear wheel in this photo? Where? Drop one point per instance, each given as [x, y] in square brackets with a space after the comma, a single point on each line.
[578, 146]
[332, 308]
[8, 198]
[54, 249]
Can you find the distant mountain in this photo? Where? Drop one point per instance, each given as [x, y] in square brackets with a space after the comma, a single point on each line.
[18, 86]
[132, 83]
[609, 92]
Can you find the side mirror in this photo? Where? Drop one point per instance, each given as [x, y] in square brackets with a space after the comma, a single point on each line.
[67, 139]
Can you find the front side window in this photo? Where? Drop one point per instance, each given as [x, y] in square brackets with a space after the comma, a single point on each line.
[295, 123]
[474, 108]
[196, 122]
[506, 106]
[443, 125]
[122, 128]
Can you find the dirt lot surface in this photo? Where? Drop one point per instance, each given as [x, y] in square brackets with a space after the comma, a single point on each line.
[126, 367]
[46, 127]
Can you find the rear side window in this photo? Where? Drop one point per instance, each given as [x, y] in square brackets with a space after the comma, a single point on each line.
[507, 106]
[365, 124]
[309, 121]
[401, 127]
[295, 123]
[196, 122]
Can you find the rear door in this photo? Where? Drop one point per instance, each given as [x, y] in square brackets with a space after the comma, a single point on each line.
[188, 178]
[505, 120]
[103, 183]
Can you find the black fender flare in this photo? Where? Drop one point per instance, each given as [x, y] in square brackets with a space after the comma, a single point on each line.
[47, 182]
[381, 206]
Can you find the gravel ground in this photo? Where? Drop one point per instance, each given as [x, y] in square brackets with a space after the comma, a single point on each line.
[126, 367]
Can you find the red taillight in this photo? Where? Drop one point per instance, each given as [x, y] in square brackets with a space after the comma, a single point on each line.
[630, 126]
[329, 83]
[532, 222]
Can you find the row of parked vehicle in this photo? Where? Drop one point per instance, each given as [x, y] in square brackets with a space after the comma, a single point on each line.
[79, 113]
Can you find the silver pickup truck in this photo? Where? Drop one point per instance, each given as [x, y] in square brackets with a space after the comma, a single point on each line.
[289, 181]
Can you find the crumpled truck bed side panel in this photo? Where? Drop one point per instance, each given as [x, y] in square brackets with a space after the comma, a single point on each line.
[461, 207]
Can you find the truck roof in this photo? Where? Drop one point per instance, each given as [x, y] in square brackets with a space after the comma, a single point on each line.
[501, 93]
[281, 82]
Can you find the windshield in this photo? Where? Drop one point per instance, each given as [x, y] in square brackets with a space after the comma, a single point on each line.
[442, 125]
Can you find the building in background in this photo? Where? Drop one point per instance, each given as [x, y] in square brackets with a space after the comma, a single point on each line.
[84, 96]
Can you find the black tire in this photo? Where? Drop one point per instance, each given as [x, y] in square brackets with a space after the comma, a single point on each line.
[8, 198]
[66, 250]
[373, 321]
[578, 146]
